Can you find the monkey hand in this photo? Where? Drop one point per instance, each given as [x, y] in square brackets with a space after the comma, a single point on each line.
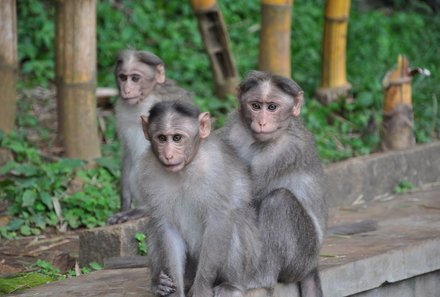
[165, 285]
[128, 215]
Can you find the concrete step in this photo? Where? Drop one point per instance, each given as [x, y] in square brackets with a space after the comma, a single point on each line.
[401, 258]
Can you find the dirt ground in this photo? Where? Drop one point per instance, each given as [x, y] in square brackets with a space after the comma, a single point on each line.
[20, 255]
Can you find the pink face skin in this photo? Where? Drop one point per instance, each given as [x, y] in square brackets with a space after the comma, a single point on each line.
[136, 80]
[175, 139]
[268, 111]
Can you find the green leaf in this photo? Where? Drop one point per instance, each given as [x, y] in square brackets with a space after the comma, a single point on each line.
[26, 170]
[71, 164]
[46, 199]
[29, 197]
[25, 230]
[15, 224]
[95, 266]
[110, 164]
[7, 167]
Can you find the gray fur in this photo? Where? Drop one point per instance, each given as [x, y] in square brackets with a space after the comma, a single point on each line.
[288, 189]
[130, 131]
[200, 220]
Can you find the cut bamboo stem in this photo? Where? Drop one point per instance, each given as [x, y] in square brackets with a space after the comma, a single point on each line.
[76, 77]
[8, 64]
[398, 122]
[276, 21]
[217, 45]
[334, 82]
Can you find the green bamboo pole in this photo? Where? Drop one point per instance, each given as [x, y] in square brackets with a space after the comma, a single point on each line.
[334, 82]
[274, 54]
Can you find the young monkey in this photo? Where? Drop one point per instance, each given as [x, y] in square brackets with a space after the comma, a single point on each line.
[141, 80]
[197, 196]
[288, 182]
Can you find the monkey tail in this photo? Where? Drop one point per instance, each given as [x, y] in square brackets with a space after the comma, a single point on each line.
[353, 228]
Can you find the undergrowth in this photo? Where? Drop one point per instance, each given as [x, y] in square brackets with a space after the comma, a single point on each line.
[66, 193]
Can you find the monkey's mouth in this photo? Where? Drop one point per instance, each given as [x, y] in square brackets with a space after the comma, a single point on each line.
[131, 100]
[173, 167]
[263, 135]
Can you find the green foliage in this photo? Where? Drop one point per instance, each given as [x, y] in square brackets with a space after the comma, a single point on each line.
[142, 245]
[36, 47]
[46, 268]
[59, 193]
[403, 187]
[23, 281]
[376, 35]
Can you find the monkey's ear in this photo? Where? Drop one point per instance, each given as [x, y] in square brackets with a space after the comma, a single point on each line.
[297, 102]
[160, 74]
[204, 125]
[144, 121]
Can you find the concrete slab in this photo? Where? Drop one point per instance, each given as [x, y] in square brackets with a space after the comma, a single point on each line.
[403, 254]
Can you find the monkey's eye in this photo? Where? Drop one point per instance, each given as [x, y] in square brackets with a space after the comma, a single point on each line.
[256, 106]
[135, 78]
[162, 138]
[177, 138]
[122, 77]
[272, 107]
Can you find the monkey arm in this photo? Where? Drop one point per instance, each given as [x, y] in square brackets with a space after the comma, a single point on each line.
[167, 255]
[125, 182]
[215, 246]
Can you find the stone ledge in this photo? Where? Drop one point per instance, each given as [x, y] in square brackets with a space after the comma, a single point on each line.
[96, 245]
[361, 179]
[352, 181]
[403, 255]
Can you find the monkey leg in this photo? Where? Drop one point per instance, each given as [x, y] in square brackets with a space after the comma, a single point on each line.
[290, 243]
[227, 290]
[310, 286]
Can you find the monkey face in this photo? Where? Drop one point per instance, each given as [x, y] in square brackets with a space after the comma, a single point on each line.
[267, 111]
[137, 80]
[175, 143]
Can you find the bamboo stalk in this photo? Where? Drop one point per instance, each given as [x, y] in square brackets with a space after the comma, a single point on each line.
[274, 54]
[333, 69]
[216, 40]
[8, 64]
[76, 77]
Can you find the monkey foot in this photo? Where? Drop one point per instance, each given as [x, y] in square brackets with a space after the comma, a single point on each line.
[166, 285]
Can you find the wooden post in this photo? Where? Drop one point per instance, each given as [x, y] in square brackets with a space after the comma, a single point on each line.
[275, 36]
[216, 39]
[76, 77]
[397, 132]
[333, 69]
[8, 64]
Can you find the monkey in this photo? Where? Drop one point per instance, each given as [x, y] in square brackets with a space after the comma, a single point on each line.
[141, 81]
[288, 181]
[197, 196]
